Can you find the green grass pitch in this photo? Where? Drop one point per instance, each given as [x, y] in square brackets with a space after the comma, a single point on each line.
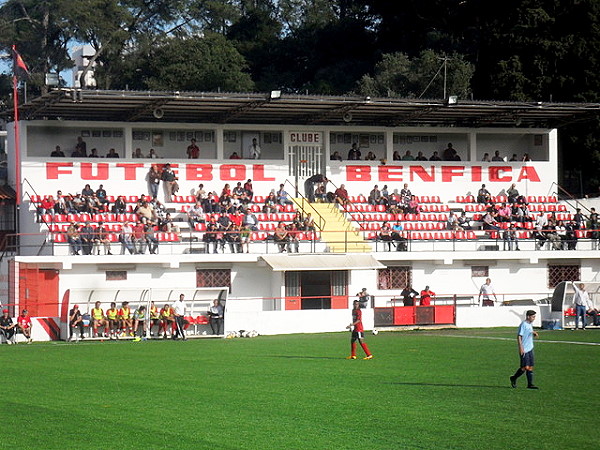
[433, 389]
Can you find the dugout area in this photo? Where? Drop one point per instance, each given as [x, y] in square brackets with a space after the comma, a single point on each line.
[563, 311]
[198, 301]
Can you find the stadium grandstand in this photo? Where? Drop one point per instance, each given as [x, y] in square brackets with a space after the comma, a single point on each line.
[284, 206]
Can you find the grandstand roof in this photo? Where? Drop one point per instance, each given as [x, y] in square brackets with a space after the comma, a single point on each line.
[292, 109]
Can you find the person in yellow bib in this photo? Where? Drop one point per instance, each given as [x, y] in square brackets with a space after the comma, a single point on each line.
[154, 318]
[99, 320]
[125, 319]
[112, 315]
[167, 316]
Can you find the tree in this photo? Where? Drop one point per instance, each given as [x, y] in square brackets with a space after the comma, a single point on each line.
[208, 63]
[398, 75]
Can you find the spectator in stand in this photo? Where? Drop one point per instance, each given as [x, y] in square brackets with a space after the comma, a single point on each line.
[112, 153]
[126, 238]
[413, 205]
[75, 320]
[579, 219]
[336, 156]
[426, 296]
[87, 191]
[270, 205]
[193, 151]
[541, 225]
[408, 156]
[486, 157]
[235, 155]
[101, 196]
[526, 157]
[211, 234]
[195, 214]
[420, 157]
[226, 192]
[375, 196]
[119, 207]
[150, 237]
[293, 233]
[167, 225]
[81, 146]
[405, 195]
[76, 153]
[435, 157]
[152, 154]
[146, 213]
[87, 235]
[309, 185]
[47, 206]
[101, 238]
[57, 152]
[153, 181]
[281, 238]
[396, 156]
[509, 237]
[233, 237]
[94, 153]
[320, 193]
[170, 181]
[398, 237]
[385, 235]
[483, 195]
[24, 325]
[371, 157]
[200, 194]
[571, 235]
[504, 213]
[448, 154]
[250, 221]
[497, 157]
[7, 327]
[463, 221]
[138, 153]
[73, 238]
[308, 224]
[561, 231]
[489, 221]
[512, 193]
[254, 149]
[354, 153]
[239, 190]
[385, 196]
[249, 189]
[341, 195]
[452, 222]
[139, 238]
[60, 206]
[283, 198]
[513, 158]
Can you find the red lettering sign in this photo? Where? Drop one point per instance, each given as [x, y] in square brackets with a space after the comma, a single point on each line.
[258, 173]
[358, 173]
[87, 171]
[232, 172]
[528, 173]
[198, 172]
[389, 173]
[54, 169]
[476, 173]
[496, 173]
[421, 172]
[449, 172]
[130, 170]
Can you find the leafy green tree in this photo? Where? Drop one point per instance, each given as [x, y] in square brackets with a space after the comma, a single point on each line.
[398, 75]
[207, 63]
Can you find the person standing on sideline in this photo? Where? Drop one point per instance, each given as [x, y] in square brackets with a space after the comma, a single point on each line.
[487, 291]
[216, 312]
[254, 149]
[426, 295]
[581, 301]
[408, 295]
[179, 312]
[525, 337]
[358, 332]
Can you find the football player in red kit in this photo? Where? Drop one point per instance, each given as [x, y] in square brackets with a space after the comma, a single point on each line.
[358, 332]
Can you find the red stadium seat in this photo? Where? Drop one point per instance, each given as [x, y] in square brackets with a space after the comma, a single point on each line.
[201, 320]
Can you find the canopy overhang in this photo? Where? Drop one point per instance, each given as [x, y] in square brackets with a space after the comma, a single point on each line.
[291, 262]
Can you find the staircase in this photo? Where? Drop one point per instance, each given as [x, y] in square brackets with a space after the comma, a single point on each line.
[338, 233]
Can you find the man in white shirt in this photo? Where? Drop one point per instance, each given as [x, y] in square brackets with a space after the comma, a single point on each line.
[487, 291]
[254, 149]
[582, 303]
[179, 312]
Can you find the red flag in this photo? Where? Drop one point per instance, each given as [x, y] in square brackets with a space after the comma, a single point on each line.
[20, 69]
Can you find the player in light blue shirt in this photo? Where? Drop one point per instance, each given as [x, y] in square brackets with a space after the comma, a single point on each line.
[525, 337]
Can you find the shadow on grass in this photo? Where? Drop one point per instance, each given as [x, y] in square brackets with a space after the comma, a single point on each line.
[401, 383]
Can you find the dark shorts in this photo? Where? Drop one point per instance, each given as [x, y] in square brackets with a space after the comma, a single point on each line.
[357, 335]
[527, 359]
